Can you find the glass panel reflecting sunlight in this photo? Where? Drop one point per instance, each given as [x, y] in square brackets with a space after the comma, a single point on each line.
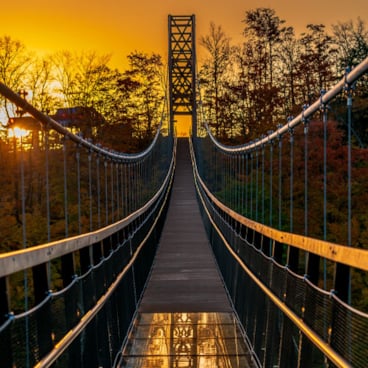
[186, 340]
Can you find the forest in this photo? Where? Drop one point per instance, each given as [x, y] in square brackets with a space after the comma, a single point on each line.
[245, 90]
[250, 88]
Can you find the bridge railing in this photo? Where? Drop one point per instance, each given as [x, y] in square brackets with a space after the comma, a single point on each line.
[292, 291]
[69, 299]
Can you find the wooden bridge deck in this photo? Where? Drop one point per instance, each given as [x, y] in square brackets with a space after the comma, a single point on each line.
[185, 277]
[185, 318]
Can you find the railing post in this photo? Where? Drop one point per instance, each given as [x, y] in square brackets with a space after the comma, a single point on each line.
[41, 288]
[342, 282]
[67, 268]
[5, 338]
[293, 252]
[4, 300]
[40, 281]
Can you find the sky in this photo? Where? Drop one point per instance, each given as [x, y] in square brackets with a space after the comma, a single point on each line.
[118, 27]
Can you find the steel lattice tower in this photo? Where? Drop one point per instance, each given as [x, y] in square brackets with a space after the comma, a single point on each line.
[182, 69]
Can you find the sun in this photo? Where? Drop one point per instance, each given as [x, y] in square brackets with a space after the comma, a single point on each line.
[17, 132]
[183, 125]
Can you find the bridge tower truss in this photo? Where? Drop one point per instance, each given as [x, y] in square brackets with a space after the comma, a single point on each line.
[182, 69]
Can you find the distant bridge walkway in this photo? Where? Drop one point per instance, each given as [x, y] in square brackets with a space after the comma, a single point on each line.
[185, 314]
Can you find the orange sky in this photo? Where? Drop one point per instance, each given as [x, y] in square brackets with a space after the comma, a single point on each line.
[121, 26]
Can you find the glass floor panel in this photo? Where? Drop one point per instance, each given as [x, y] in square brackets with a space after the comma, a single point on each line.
[186, 340]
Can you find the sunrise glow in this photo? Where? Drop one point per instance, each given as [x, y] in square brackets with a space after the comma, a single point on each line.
[119, 27]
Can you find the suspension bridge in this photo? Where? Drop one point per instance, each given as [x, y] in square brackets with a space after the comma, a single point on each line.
[188, 254]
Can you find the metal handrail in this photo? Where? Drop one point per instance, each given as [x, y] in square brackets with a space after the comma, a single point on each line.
[348, 80]
[50, 123]
[66, 341]
[322, 345]
[19, 260]
[353, 257]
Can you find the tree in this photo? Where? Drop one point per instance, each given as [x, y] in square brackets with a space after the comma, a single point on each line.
[146, 93]
[65, 76]
[86, 81]
[351, 40]
[315, 64]
[265, 26]
[288, 54]
[263, 32]
[213, 74]
[39, 83]
[14, 64]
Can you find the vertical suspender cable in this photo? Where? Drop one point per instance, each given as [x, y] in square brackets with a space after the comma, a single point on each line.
[90, 190]
[324, 117]
[280, 182]
[305, 122]
[263, 184]
[77, 155]
[271, 182]
[98, 191]
[47, 184]
[229, 185]
[123, 197]
[291, 176]
[349, 240]
[24, 239]
[106, 196]
[271, 192]
[141, 177]
[216, 168]
[239, 186]
[66, 215]
[112, 191]
[117, 165]
[229, 160]
[257, 164]
[251, 185]
[349, 106]
[243, 183]
[131, 174]
[127, 186]
[246, 184]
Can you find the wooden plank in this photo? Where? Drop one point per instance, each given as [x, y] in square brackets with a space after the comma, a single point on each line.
[185, 277]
